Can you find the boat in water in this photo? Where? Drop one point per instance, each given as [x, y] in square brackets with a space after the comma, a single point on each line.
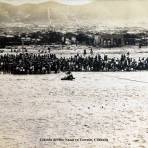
[69, 77]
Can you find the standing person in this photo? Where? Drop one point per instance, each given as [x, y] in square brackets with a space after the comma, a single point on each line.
[49, 49]
[84, 52]
[91, 51]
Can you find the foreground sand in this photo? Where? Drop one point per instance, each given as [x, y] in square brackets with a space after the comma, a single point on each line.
[95, 105]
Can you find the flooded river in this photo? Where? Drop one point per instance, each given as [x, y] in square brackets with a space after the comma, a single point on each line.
[95, 105]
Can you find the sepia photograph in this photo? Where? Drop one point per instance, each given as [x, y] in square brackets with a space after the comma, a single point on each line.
[73, 74]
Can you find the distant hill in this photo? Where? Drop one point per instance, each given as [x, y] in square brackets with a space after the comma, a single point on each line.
[43, 12]
[100, 12]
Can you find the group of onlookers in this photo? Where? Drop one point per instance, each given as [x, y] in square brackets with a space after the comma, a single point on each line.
[27, 63]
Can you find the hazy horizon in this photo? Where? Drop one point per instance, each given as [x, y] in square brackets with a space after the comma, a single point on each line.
[108, 12]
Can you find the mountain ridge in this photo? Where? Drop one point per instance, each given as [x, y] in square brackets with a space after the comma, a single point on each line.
[36, 12]
[99, 12]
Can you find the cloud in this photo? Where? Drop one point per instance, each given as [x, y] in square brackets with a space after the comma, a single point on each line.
[74, 2]
[22, 1]
[68, 2]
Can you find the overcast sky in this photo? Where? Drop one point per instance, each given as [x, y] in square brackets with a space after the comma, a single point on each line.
[69, 2]
[22, 1]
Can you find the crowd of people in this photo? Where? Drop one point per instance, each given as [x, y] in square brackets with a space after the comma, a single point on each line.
[27, 63]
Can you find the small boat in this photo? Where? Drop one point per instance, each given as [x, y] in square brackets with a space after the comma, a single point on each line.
[68, 78]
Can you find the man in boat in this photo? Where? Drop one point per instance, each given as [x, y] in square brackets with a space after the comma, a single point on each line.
[69, 76]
